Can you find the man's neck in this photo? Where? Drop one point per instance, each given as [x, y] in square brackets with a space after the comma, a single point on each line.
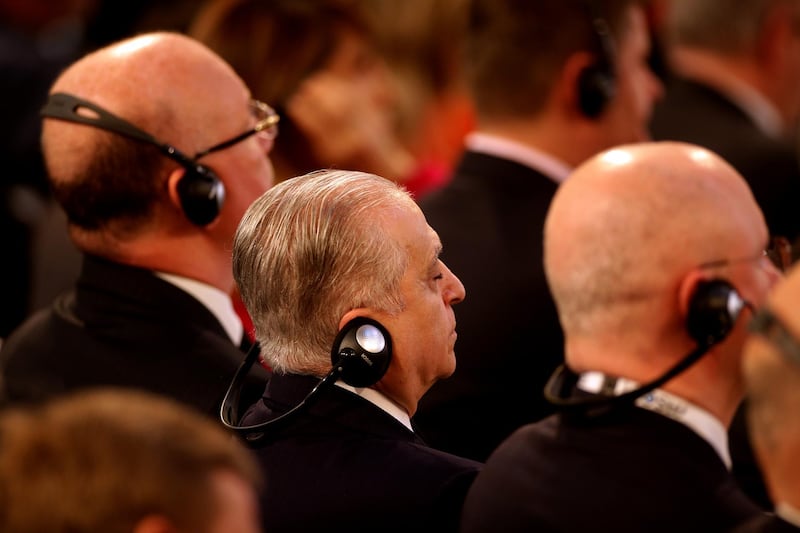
[571, 143]
[193, 257]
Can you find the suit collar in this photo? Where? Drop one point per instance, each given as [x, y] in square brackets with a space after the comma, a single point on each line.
[705, 70]
[214, 299]
[108, 293]
[381, 401]
[529, 156]
[666, 404]
[333, 407]
[501, 173]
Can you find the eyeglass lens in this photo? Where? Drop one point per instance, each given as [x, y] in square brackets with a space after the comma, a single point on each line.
[779, 251]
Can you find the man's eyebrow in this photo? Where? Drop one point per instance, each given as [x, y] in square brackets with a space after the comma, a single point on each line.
[434, 257]
[437, 251]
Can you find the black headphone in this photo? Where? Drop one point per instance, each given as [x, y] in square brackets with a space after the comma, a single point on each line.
[360, 355]
[712, 312]
[713, 309]
[200, 191]
[597, 82]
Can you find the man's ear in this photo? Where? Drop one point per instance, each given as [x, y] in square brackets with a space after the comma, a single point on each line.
[688, 288]
[172, 187]
[366, 312]
[567, 92]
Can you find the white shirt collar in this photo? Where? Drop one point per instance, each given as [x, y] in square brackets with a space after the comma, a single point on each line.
[666, 404]
[704, 67]
[553, 168]
[215, 300]
[788, 513]
[380, 400]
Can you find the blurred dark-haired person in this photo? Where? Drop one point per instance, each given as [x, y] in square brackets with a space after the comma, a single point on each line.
[320, 62]
[772, 374]
[553, 84]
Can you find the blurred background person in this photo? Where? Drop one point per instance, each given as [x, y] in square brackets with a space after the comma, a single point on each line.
[152, 307]
[319, 63]
[772, 371]
[116, 461]
[38, 38]
[735, 89]
[423, 43]
[553, 83]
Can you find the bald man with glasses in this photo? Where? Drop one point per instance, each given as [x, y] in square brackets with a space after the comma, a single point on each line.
[154, 149]
[657, 254]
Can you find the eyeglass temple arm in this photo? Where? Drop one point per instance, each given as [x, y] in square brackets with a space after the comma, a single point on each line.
[230, 142]
[64, 106]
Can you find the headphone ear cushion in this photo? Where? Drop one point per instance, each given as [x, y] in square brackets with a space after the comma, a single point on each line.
[713, 309]
[363, 351]
[201, 194]
[596, 88]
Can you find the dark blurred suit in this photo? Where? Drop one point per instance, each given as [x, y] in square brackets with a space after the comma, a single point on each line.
[347, 465]
[124, 326]
[490, 219]
[695, 113]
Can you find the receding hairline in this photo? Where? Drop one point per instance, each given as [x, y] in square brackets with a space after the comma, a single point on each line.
[139, 77]
[619, 209]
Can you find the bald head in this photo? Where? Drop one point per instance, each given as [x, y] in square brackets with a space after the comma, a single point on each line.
[166, 84]
[628, 225]
[161, 82]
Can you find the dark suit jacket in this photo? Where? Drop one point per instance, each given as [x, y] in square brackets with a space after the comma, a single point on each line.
[767, 523]
[124, 326]
[697, 114]
[490, 219]
[346, 465]
[631, 471]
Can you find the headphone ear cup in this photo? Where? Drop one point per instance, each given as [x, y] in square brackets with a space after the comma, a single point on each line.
[362, 350]
[201, 194]
[596, 88]
[713, 310]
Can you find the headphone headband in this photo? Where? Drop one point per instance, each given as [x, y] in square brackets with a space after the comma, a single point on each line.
[201, 191]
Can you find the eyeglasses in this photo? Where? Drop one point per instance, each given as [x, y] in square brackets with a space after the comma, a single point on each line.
[769, 326]
[778, 251]
[266, 127]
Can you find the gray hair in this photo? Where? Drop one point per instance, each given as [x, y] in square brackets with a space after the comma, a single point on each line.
[725, 26]
[309, 250]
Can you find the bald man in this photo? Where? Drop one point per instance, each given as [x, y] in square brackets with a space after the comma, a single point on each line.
[638, 238]
[772, 371]
[154, 149]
